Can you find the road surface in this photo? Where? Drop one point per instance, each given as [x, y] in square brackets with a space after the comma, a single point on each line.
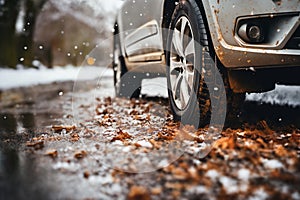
[65, 142]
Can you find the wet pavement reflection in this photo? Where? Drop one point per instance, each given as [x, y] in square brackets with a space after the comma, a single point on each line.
[19, 176]
[22, 175]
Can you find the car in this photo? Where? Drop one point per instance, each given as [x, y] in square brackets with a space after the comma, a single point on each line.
[252, 45]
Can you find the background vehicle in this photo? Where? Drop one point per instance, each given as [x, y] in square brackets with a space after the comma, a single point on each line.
[253, 44]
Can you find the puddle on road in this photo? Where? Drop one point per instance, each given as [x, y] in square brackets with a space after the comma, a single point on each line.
[20, 178]
[28, 174]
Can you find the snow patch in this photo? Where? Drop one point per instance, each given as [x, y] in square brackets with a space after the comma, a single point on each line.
[212, 174]
[296, 195]
[259, 194]
[116, 189]
[198, 190]
[11, 78]
[272, 164]
[72, 167]
[243, 174]
[229, 184]
[163, 163]
[145, 144]
[284, 95]
[101, 180]
[127, 149]
[155, 87]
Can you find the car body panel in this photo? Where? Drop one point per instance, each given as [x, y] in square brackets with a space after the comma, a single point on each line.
[140, 31]
[141, 23]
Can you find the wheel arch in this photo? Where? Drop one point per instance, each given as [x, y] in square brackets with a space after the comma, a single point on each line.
[206, 16]
[169, 7]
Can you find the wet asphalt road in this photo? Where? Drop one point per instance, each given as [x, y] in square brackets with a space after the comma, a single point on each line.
[75, 165]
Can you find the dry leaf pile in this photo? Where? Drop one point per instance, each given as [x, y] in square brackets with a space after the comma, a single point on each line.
[253, 162]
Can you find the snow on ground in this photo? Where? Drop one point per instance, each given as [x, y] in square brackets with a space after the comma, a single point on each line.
[10, 78]
[155, 87]
[283, 95]
[272, 164]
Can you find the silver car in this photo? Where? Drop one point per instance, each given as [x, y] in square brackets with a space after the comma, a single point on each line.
[252, 44]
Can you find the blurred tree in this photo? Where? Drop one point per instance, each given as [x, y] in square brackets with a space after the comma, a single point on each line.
[17, 21]
[25, 45]
[9, 10]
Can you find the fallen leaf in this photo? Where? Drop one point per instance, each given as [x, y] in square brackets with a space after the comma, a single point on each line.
[226, 142]
[163, 136]
[122, 136]
[80, 154]
[281, 151]
[97, 146]
[179, 173]
[35, 144]
[137, 145]
[52, 153]
[86, 174]
[138, 193]
[176, 186]
[108, 100]
[156, 190]
[59, 128]
[242, 134]
[261, 142]
[75, 137]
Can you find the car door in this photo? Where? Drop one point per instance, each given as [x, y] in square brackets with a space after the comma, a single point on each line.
[139, 22]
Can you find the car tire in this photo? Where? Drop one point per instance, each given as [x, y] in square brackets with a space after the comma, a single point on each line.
[188, 94]
[234, 100]
[191, 101]
[127, 84]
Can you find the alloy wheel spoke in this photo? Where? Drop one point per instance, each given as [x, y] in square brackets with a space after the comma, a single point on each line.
[189, 76]
[184, 23]
[177, 42]
[184, 93]
[177, 83]
[190, 48]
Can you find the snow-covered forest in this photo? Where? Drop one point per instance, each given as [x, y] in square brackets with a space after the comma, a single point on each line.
[53, 32]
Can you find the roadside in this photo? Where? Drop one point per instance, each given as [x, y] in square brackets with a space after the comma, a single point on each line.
[61, 143]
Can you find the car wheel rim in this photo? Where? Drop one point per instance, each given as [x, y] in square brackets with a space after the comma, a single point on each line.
[182, 55]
